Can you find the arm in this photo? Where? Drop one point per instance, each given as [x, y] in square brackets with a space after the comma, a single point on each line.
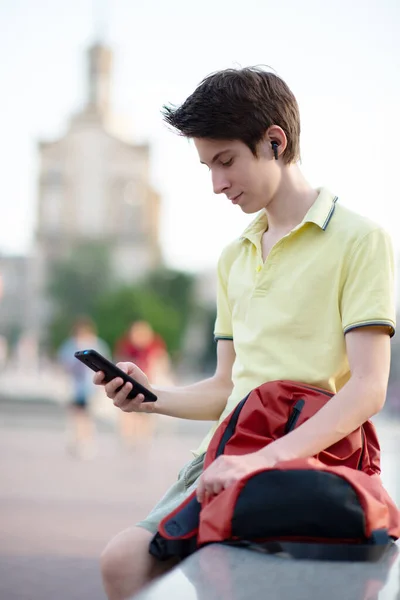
[368, 350]
[204, 400]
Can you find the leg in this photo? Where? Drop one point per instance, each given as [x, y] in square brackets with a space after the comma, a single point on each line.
[135, 428]
[126, 564]
[81, 430]
[84, 426]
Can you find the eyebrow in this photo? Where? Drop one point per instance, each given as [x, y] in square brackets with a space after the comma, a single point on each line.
[216, 157]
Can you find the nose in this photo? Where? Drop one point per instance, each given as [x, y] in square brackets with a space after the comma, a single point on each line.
[220, 182]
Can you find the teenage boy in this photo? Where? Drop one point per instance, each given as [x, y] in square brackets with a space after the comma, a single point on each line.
[305, 294]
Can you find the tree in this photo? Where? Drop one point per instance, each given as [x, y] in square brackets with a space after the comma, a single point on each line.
[83, 284]
[75, 286]
[174, 288]
[118, 308]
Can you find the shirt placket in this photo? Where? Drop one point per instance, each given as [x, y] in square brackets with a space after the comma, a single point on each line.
[264, 270]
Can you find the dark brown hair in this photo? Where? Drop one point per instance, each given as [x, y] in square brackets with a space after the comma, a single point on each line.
[83, 322]
[239, 104]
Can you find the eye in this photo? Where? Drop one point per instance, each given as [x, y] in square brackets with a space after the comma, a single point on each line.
[228, 163]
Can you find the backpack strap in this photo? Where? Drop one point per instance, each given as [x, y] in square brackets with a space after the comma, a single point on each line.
[164, 549]
[372, 551]
[177, 532]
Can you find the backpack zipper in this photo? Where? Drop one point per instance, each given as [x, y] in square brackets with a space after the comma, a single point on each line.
[294, 415]
[360, 462]
[316, 389]
[230, 430]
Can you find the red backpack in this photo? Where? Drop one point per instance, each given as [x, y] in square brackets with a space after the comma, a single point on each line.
[331, 506]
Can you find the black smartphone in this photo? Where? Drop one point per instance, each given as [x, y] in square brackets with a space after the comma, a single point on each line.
[97, 362]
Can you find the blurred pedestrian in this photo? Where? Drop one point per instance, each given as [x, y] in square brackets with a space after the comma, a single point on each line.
[148, 350]
[80, 423]
[27, 353]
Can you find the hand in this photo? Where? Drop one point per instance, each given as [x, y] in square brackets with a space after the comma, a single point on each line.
[226, 470]
[120, 398]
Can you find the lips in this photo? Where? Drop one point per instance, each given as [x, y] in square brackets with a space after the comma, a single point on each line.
[235, 199]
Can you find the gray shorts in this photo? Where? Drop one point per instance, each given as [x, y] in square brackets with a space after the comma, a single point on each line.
[181, 489]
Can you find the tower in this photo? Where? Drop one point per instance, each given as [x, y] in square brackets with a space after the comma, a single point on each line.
[94, 186]
[99, 67]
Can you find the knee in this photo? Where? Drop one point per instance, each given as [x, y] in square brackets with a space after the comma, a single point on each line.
[124, 563]
[112, 563]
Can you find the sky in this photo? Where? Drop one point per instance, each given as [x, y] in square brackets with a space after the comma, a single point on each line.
[341, 59]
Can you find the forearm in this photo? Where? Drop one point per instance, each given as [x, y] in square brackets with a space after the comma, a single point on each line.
[202, 401]
[354, 404]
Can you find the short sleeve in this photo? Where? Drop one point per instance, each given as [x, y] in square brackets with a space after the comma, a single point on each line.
[223, 323]
[368, 291]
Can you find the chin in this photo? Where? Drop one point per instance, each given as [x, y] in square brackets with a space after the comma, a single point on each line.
[250, 210]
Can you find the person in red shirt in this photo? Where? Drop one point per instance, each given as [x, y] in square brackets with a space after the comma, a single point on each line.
[142, 346]
[148, 350]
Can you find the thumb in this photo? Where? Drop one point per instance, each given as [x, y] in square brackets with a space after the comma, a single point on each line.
[132, 370]
[124, 366]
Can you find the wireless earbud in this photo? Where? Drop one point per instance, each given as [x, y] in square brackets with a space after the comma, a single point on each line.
[275, 149]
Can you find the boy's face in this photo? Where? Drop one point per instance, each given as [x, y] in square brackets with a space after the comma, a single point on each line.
[246, 180]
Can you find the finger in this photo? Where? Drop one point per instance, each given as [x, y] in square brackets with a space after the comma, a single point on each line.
[217, 487]
[112, 386]
[98, 378]
[200, 490]
[136, 404]
[205, 489]
[229, 481]
[130, 369]
[204, 482]
[121, 396]
[212, 489]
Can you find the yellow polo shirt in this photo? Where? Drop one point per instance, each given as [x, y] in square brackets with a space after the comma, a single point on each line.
[288, 316]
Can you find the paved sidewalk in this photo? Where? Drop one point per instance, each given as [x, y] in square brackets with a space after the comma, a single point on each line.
[57, 513]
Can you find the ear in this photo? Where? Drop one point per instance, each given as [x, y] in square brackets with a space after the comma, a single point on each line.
[275, 134]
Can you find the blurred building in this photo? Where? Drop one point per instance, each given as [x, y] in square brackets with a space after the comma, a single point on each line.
[15, 294]
[94, 186]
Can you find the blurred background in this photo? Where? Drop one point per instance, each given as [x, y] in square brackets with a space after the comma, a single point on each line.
[110, 234]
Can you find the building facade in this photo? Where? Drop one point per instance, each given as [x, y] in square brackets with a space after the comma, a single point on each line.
[94, 186]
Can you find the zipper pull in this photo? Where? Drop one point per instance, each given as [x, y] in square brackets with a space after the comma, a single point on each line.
[294, 415]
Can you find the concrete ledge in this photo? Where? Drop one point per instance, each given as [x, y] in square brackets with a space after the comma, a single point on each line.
[219, 572]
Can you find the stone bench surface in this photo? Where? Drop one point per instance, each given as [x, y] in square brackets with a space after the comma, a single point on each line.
[219, 572]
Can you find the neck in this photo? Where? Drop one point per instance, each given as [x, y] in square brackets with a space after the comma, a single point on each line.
[293, 199]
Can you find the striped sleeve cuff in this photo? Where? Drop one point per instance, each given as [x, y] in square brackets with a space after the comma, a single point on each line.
[220, 336]
[372, 323]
